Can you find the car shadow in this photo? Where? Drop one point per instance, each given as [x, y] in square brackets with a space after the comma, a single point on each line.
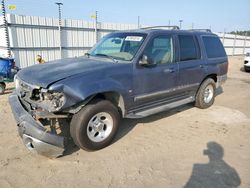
[242, 69]
[128, 125]
[219, 91]
[70, 148]
[216, 173]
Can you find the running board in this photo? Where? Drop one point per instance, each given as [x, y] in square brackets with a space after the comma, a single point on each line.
[161, 108]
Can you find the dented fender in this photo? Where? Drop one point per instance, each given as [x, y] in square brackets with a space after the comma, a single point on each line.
[78, 95]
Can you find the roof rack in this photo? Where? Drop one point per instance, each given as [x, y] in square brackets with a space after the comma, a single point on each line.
[173, 27]
[203, 30]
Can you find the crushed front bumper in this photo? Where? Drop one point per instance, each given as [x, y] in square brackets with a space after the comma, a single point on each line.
[34, 135]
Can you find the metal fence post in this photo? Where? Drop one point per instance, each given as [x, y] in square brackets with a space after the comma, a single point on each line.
[96, 25]
[60, 27]
[5, 22]
[245, 41]
[139, 22]
[234, 44]
[223, 39]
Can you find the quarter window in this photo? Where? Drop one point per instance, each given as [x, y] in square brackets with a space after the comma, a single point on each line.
[188, 48]
[214, 47]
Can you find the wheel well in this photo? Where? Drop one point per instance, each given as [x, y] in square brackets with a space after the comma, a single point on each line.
[115, 98]
[213, 76]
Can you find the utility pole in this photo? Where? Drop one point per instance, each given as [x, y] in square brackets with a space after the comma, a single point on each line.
[169, 23]
[139, 24]
[180, 23]
[5, 23]
[60, 26]
[96, 25]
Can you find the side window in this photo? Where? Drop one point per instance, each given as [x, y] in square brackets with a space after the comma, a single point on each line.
[188, 48]
[160, 50]
[213, 46]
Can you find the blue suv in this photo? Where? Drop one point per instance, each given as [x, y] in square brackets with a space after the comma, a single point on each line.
[128, 74]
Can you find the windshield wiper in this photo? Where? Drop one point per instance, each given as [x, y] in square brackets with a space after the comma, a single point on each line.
[107, 56]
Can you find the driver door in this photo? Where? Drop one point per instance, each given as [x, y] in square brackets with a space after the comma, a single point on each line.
[155, 83]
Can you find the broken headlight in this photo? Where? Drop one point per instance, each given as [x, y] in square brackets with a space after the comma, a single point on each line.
[52, 101]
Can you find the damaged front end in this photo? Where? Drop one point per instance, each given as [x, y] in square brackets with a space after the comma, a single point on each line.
[41, 125]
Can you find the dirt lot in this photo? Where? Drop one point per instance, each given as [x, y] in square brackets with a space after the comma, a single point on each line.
[164, 150]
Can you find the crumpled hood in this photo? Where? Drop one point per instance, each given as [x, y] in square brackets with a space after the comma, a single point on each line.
[45, 74]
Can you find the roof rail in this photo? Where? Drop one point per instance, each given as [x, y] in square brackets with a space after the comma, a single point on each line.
[173, 27]
[203, 30]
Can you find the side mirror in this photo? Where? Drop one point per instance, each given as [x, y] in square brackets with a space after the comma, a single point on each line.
[117, 41]
[146, 61]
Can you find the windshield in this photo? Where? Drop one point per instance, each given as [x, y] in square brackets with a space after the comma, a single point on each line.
[119, 46]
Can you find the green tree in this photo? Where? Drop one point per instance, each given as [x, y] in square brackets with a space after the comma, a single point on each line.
[247, 33]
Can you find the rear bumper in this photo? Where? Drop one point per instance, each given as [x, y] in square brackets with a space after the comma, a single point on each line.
[34, 135]
[221, 80]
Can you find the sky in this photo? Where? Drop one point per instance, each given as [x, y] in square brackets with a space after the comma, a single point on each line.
[219, 15]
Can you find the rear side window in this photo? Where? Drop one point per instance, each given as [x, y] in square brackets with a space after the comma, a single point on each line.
[188, 48]
[214, 47]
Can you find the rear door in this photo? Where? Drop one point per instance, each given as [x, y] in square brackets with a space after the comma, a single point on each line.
[216, 58]
[191, 66]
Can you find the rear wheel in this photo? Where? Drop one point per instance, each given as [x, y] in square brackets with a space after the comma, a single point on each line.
[2, 88]
[206, 94]
[95, 125]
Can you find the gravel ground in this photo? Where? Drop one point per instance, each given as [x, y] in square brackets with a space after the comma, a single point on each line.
[182, 147]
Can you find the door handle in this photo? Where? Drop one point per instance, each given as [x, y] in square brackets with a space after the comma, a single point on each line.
[201, 66]
[168, 70]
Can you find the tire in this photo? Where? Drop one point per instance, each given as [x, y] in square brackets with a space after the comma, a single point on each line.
[206, 94]
[247, 69]
[2, 88]
[95, 125]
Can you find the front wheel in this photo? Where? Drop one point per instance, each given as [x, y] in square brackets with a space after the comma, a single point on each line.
[95, 125]
[206, 94]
